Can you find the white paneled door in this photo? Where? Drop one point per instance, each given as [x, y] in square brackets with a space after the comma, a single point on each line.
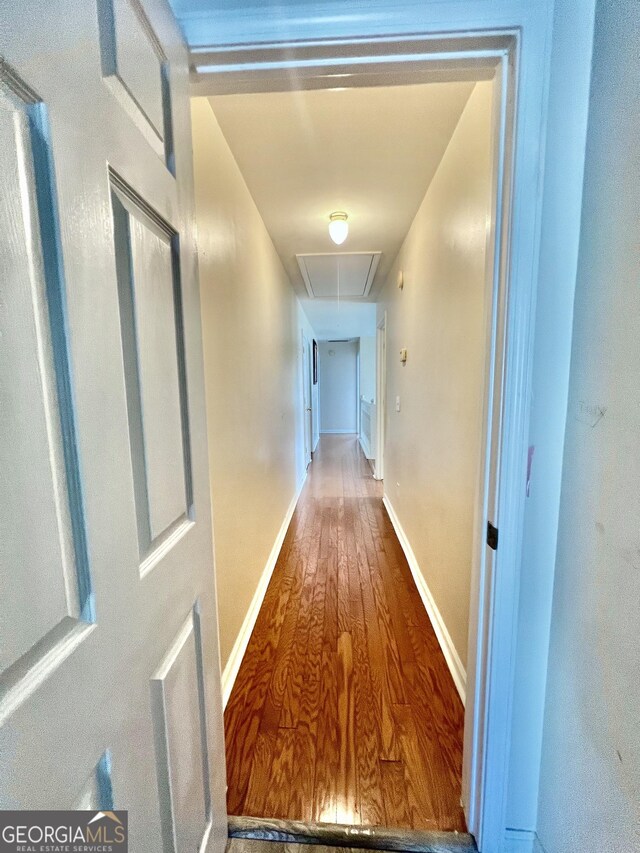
[109, 669]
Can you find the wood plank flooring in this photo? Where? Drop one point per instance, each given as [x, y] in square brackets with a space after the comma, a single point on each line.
[344, 710]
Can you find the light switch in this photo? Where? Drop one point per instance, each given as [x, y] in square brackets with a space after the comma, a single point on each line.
[397, 404]
[403, 355]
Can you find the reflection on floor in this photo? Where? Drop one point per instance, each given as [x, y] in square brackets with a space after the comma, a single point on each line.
[344, 709]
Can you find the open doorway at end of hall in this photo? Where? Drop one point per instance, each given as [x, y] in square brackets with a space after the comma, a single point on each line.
[349, 705]
[347, 395]
[338, 382]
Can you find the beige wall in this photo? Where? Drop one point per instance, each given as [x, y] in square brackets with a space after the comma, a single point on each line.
[590, 771]
[251, 324]
[432, 445]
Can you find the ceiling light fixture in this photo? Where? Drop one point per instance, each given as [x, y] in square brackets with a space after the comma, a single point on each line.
[338, 227]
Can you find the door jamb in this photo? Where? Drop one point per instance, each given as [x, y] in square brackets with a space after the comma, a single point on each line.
[518, 215]
[306, 386]
[381, 394]
[358, 425]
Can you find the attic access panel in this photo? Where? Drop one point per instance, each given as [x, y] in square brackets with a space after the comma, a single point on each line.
[348, 275]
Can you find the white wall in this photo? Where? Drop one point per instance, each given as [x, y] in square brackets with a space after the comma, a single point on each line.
[432, 446]
[340, 319]
[590, 774]
[338, 386]
[253, 361]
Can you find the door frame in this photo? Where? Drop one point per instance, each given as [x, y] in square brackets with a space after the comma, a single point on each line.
[307, 416]
[450, 48]
[358, 424]
[381, 395]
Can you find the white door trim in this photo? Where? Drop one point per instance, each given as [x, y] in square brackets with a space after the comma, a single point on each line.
[381, 395]
[307, 416]
[447, 51]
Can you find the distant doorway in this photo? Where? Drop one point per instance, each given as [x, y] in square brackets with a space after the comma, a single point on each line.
[338, 381]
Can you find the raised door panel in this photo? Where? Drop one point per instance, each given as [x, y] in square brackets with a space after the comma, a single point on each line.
[139, 64]
[152, 336]
[132, 54]
[178, 706]
[155, 322]
[136, 69]
[41, 585]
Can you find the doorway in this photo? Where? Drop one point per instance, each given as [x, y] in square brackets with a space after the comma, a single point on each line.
[496, 60]
[338, 386]
[424, 314]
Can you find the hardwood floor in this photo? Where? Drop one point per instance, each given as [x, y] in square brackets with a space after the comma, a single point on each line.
[344, 709]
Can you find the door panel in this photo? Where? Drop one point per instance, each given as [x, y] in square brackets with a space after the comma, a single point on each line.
[135, 68]
[137, 63]
[107, 543]
[31, 449]
[152, 337]
[181, 742]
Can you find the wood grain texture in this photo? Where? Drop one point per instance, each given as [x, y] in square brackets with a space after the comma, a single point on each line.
[344, 709]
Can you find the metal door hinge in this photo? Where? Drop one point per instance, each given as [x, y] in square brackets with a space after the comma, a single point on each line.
[492, 536]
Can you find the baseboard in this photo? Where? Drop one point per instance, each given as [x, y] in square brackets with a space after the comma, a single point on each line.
[338, 432]
[446, 643]
[315, 446]
[230, 671]
[522, 841]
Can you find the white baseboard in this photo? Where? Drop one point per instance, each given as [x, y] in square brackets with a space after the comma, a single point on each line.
[446, 643]
[338, 432]
[230, 671]
[315, 446]
[522, 841]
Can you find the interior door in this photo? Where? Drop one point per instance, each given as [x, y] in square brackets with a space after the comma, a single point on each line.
[306, 398]
[110, 683]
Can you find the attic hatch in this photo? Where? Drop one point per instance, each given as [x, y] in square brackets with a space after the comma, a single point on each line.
[348, 275]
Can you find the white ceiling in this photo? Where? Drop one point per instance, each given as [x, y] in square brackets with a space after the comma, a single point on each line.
[339, 274]
[371, 152]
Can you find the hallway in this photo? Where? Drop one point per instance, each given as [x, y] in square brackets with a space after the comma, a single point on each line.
[344, 709]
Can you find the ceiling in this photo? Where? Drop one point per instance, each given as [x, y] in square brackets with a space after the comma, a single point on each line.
[348, 275]
[371, 152]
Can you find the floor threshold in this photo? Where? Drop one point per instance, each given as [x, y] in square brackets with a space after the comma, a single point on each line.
[351, 836]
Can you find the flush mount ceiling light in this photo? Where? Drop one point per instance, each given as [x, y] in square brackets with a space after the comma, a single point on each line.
[338, 227]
